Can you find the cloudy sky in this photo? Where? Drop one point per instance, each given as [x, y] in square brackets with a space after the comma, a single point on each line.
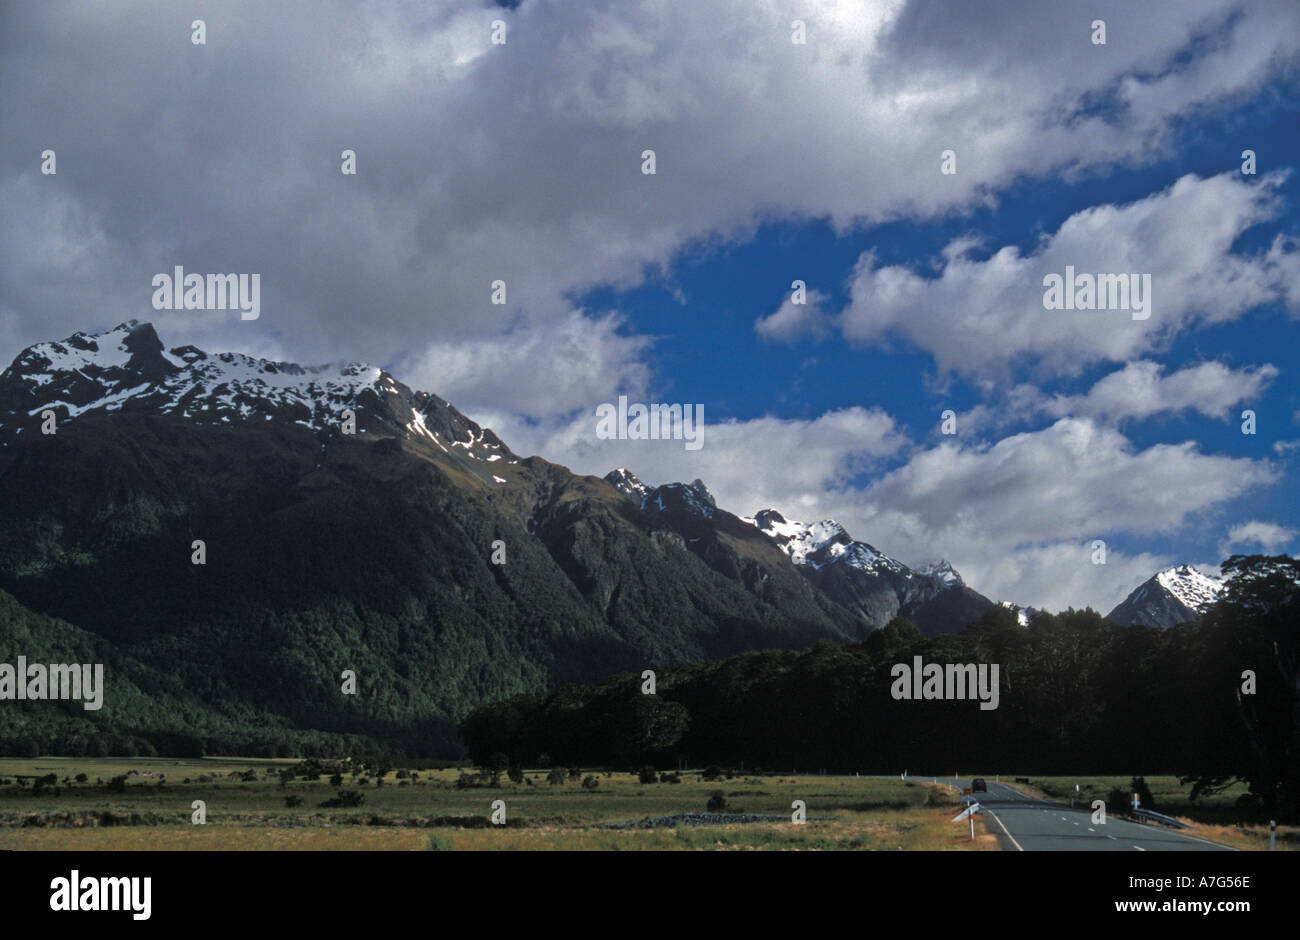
[776, 161]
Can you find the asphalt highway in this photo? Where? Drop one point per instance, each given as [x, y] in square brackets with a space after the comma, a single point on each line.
[1026, 824]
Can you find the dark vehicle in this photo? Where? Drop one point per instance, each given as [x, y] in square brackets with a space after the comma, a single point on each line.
[979, 786]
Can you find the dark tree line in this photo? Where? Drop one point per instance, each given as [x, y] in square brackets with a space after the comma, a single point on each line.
[1077, 695]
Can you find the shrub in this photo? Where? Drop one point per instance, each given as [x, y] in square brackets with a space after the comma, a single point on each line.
[649, 774]
[117, 784]
[1139, 786]
[1118, 801]
[292, 800]
[590, 782]
[556, 776]
[346, 798]
[712, 772]
[673, 777]
[515, 773]
[717, 802]
[336, 780]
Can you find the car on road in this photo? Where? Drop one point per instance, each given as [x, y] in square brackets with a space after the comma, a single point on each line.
[979, 786]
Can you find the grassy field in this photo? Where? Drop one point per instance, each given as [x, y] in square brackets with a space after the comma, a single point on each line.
[246, 809]
[1215, 817]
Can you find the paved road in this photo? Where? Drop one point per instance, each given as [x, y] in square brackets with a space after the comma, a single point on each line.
[1025, 824]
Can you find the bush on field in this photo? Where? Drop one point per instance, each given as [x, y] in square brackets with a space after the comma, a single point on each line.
[346, 798]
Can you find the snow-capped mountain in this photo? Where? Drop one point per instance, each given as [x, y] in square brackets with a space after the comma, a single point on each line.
[627, 483]
[822, 543]
[692, 499]
[866, 580]
[1170, 597]
[944, 572]
[386, 548]
[855, 574]
[127, 369]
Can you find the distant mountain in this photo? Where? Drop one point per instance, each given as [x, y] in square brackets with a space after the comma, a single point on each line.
[869, 582]
[376, 551]
[1170, 597]
[941, 570]
[627, 483]
[858, 577]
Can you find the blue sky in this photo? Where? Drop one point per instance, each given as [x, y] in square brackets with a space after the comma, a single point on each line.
[705, 303]
[520, 161]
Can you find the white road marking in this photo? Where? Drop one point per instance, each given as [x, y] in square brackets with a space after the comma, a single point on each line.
[1019, 847]
[1139, 848]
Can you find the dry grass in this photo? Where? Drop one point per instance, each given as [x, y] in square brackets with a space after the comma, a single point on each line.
[861, 813]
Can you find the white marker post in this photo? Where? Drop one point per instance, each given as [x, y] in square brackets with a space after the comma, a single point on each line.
[968, 813]
[1272, 835]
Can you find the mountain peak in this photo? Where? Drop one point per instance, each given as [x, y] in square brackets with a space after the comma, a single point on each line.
[1169, 597]
[128, 369]
[943, 572]
[627, 483]
[1190, 586]
[693, 498]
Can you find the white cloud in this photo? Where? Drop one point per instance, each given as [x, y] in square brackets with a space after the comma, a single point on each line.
[521, 162]
[1017, 518]
[793, 321]
[985, 317]
[1009, 514]
[1266, 536]
[538, 371]
[788, 463]
[1139, 390]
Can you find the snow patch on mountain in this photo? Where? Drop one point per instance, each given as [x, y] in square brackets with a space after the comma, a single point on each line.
[627, 483]
[821, 543]
[1191, 587]
[943, 572]
[127, 367]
